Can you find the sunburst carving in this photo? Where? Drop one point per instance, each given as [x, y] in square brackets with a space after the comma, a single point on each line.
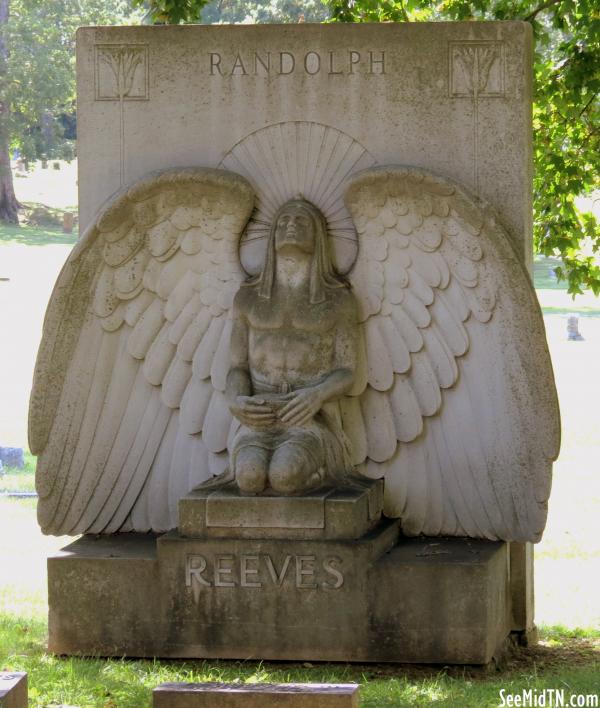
[287, 159]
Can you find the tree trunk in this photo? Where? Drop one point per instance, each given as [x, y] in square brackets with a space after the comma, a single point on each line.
[9, 206]
[8, 202]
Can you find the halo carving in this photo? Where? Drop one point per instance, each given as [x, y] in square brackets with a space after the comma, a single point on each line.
[288, 159]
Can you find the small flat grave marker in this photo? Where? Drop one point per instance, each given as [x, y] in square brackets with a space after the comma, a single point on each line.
[13, 689]
[255, 695]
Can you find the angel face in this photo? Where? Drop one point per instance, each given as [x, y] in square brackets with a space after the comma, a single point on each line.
[295, 230]
[299, 229]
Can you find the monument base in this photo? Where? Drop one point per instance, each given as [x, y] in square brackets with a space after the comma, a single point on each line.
[380, 597]
[417, 600]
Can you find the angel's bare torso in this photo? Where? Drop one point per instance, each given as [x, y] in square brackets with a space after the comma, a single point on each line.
[289, 356]
[292, 343]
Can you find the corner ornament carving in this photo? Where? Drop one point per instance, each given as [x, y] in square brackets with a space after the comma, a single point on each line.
[177, 369]
[121, 74]
[476, 70]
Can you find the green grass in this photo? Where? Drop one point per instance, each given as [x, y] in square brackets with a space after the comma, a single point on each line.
[581, 310]
[563, 659]
[35, 236]
[15, 480]
[552, 293]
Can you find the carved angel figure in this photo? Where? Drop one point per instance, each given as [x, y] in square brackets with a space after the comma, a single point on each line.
[160, 360]
[293, 351]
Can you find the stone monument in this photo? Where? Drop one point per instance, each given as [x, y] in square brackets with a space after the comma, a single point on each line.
[283, 390]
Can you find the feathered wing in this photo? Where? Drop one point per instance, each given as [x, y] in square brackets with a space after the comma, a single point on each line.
[127, 410]
[457, 408]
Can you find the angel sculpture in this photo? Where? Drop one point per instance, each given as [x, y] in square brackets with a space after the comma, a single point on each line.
[162, 365]
[293, 350]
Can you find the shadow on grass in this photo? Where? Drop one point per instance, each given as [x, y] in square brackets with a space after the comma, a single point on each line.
[35, 236]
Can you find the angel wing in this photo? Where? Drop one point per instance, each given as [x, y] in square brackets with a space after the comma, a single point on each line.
[127, 411]
[457, 408]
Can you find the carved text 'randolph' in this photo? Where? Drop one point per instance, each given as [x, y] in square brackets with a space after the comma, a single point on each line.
[312, 63]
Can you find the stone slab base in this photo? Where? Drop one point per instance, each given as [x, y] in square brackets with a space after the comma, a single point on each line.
[13, 689]
[257, 695]
[378, 598]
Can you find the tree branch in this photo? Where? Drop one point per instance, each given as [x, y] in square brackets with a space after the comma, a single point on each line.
[540, 8]
[403, 11]
[588, 104]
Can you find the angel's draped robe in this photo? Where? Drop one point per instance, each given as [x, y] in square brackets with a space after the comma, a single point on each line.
[321, 440]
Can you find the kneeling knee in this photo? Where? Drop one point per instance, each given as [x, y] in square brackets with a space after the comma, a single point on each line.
[288, 480]
[251, 478]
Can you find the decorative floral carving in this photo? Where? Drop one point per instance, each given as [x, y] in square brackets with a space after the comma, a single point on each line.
[123, 62]
[121, 75]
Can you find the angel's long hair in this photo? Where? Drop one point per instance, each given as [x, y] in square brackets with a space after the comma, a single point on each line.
[323, 274]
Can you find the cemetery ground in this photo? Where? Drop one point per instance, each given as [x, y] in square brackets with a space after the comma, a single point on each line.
[567, 560]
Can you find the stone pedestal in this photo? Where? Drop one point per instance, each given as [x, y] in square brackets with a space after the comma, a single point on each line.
[343, 514]
[248, 586]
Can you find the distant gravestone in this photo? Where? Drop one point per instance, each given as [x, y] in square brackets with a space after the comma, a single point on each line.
[13, 689]
[573, 334]
[12, 457]
[255, 695]
[68, 222]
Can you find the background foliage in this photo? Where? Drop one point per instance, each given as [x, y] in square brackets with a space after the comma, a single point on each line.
[234, 11]
[566, 115]
[39, 81]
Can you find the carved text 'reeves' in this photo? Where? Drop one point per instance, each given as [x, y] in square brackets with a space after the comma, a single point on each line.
[256, 571]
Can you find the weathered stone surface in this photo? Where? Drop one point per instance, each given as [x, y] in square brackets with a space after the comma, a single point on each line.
[260, 695]
[423, 600]
[13, 689]
[522, 588]
[102, 597]
[401, 93]
[261, 598]
[441, 597]
[332, 514]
